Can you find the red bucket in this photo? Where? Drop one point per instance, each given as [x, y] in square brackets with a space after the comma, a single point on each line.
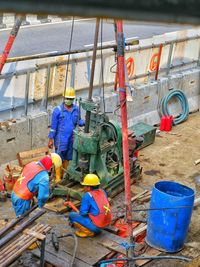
[1, 186]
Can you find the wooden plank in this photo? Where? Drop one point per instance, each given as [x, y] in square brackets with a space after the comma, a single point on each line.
[141, 228]
[112, 229]
[31, 155]
[60, 258]
[33, 152]
[149, 252]
[85, 251]
[56, 205]
[144, 199]
[113, 246]
[26, 161]
[115, 238]
[139, 195]
[39, 236]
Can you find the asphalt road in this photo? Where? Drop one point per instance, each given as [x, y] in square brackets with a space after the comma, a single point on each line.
[55, 37]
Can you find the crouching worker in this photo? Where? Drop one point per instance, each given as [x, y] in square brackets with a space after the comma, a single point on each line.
[95, 212]
[34, 180]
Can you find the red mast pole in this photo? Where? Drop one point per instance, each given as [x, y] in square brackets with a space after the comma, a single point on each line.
[10, 42]
[122, 94]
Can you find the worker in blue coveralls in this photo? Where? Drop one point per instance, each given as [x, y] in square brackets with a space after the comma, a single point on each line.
[95, 212]
[65, 118]
[34, 180]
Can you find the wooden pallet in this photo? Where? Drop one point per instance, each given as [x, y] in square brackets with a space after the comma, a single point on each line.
[26, 157]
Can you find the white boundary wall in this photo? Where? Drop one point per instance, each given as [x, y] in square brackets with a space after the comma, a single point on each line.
[41, 77]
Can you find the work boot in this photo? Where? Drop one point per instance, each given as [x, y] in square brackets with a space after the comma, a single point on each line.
[65, 165]
[58, 175]
[83, 231]
[33, 246]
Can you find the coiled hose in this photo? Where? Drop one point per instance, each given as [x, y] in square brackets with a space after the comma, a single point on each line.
[184, 104]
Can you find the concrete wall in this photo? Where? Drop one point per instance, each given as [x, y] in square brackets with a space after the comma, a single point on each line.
[31, 132]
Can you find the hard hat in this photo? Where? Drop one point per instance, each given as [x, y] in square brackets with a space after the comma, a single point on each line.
[91, 180]
[47, 162]
[56, 160]
[69, 93]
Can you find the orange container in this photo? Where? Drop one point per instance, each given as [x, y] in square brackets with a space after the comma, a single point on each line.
[9, 183]
[11, 174]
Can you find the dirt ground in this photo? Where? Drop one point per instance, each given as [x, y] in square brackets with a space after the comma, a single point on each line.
[171, 157]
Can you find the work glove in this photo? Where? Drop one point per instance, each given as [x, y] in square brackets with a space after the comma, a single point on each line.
[50, 143]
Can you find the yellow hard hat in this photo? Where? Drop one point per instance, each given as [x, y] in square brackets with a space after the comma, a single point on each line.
[91, 180]
[56, 160]
[69, 92]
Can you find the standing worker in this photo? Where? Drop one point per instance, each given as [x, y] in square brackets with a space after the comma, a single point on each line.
[65, 118]
[33, 180]
[95, 213]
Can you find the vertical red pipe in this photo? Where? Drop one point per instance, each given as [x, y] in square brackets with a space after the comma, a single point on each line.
[122, 94]
[10, 42]
[158, 65]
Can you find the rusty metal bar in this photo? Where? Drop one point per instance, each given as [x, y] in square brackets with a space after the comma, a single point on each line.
[26, 93]
[158, 63]
[29, 240]
[9, 249]
[122, 95]
[16, 221]
[169, 58]
[15, 232]
[87, 117]
[12, 246]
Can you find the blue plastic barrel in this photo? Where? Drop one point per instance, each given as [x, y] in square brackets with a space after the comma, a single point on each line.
[167, 228]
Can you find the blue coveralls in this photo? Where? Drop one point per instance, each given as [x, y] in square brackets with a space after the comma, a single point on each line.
[62, 125]
[40, 184]
[88, 205]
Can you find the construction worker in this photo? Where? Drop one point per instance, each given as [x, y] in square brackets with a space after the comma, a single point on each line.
[65, 117]
[34, 180]
[95, 212]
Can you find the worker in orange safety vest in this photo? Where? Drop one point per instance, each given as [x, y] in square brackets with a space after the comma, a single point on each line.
[34, 180]
[95, 212]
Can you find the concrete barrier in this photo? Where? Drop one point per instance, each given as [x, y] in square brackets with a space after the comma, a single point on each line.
[7, 19]
[29, 90]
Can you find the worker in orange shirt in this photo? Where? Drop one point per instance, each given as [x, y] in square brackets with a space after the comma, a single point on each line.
[95, 213]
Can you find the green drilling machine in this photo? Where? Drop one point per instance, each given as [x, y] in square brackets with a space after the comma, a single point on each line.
[98, 150]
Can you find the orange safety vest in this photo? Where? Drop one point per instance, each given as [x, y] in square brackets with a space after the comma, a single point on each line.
[21, 186]
[103, 219]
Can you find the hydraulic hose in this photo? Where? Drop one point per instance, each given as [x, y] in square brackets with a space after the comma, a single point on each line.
[55, 242]
[75, 247]
[146, 258]
[184, 104]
